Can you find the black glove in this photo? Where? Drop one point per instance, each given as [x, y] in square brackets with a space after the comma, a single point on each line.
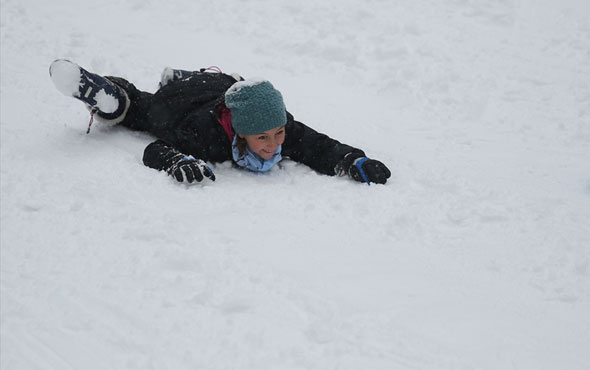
[189, 169]
[164, 157]
[363, 169]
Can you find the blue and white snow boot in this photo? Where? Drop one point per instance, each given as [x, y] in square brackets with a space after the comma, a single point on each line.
[169, 74]
[99, 93]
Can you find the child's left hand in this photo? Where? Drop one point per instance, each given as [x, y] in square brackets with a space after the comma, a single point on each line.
[368, 170]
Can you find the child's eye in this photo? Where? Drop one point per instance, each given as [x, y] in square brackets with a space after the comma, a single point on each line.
[261, 137]
[280, 132]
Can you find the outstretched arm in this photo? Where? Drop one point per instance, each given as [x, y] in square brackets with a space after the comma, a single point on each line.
[184, 168]
[328, 156]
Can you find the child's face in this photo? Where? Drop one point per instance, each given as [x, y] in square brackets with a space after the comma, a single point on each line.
[266, 143]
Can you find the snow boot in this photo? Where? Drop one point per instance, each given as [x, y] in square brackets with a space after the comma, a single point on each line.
[108, 100]
[169, 74]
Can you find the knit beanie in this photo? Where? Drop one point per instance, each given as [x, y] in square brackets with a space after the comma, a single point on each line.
[256, 106]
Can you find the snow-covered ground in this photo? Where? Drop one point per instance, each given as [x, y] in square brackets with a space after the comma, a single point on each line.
[476, 255]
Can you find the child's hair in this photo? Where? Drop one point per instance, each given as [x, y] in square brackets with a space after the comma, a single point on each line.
[241, 144]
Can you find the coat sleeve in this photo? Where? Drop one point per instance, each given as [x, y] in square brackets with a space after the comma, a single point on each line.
[316, 150]
[160, 155]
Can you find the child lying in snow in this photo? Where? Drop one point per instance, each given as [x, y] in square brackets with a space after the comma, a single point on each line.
[204, 116]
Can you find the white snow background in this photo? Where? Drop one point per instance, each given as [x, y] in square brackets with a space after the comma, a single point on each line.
[475, 255]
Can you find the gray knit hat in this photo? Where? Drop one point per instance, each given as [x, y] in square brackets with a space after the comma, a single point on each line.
[256, 106]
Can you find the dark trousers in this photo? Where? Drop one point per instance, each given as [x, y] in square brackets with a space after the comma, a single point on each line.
[165, 109]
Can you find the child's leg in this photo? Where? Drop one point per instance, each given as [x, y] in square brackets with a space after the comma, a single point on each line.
[136, 117]
[170, 75]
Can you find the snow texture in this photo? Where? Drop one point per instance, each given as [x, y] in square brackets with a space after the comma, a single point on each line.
[106, 103]
[66, 77]
[474, 256]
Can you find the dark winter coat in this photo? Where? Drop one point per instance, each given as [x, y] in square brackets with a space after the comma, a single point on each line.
[183, 115]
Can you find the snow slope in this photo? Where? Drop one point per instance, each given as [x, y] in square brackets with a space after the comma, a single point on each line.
[474, 256]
